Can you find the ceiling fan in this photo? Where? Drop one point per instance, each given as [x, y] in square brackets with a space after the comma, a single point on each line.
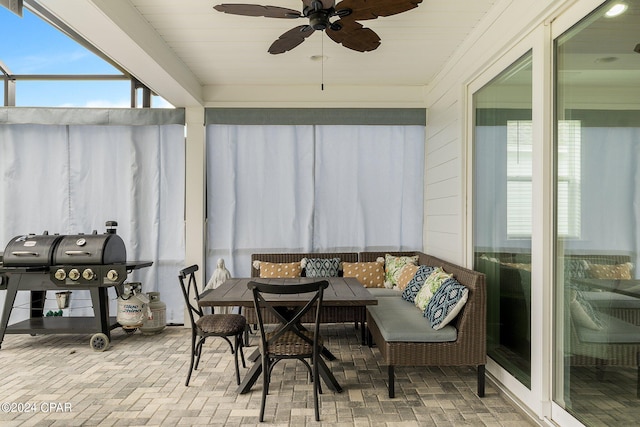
[344, 30]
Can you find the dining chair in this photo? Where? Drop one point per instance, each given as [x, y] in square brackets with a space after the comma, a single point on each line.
[289, 339]
[203, 326]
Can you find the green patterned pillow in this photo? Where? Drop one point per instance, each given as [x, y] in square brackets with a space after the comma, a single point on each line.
[393, 267]
[321, 267]
[431, 285]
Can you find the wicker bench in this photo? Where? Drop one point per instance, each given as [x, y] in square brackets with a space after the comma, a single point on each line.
[462, 345]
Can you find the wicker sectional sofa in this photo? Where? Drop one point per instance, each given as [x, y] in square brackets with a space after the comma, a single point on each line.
[405, 338]
[464, 344]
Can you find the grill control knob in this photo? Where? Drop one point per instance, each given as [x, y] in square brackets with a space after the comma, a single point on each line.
[74, 274]
[112, 275]
[88, 274]
[60, 274]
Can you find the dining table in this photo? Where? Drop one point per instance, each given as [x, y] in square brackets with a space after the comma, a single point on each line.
[629, 287]
[342, 291]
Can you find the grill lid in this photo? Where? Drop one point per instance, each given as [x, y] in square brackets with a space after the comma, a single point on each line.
[86, 249]
[30, 250]
[45, 250]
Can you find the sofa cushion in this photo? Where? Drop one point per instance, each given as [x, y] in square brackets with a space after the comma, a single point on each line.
[321, 267]
[446, 303]
[611, 300]
[413, 287]
[614, 331]
[399, 321]
[279, 270]
[370, 274]
[583, 313]
[430, 286]
[575, 268]
[613, 271]
[518, 265]
[393, 266]
[385, 292]
[406, 274]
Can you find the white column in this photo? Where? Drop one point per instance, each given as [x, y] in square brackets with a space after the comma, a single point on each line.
[195, 196]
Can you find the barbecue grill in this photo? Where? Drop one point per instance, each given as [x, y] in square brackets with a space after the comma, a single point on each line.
[38, 263]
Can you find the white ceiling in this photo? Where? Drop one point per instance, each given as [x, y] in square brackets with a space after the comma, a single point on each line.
[229, 49]
[191, 54]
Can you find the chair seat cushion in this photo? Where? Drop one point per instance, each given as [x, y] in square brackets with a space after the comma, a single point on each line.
[290, 344]
[222, 324]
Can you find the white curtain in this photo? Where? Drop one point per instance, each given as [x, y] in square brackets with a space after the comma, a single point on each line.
[259, 192]
[71, 179]
[368, 188]
[312, 188]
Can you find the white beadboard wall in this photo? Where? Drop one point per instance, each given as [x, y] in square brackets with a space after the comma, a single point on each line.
[445, 230]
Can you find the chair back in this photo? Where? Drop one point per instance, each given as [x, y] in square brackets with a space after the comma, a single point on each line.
[265, 298]
[189, 286]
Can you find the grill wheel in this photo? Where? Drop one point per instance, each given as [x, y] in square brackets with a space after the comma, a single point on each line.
[99, 342]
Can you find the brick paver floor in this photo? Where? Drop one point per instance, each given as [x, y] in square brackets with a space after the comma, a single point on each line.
[58, 380]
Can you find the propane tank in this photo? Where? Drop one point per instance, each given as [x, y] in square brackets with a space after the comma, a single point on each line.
[157, 322]
[132, 306]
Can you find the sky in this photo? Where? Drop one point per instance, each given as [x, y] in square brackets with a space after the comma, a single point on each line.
[29, 45]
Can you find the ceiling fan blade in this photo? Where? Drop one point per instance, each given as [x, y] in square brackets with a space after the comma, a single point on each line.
[354, 36]
[290, 39]
[258, 10]
[371, 9]
[323, 4]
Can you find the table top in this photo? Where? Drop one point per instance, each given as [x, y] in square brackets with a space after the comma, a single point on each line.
[630, 287]
[342, 291]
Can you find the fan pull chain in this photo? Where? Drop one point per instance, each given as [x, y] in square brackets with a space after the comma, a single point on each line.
[322, 63]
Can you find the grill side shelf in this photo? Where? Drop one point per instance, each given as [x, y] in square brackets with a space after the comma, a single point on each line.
[57, 325]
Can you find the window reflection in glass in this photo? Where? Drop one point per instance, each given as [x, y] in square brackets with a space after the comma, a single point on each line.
[503, 213]
[597, 185]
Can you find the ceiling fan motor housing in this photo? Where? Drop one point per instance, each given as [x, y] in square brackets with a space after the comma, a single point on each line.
[319, 20]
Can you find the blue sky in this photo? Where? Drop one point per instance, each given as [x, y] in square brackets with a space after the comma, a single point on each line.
[31, 46]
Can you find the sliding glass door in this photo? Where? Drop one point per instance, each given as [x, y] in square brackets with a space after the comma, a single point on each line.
[502, 222]
[597, 186]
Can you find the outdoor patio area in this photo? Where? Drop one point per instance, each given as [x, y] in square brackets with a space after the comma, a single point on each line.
[58, 380]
